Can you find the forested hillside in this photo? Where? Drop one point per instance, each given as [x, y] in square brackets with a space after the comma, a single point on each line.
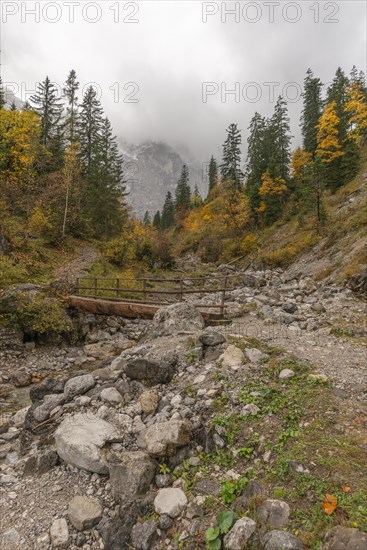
[62, 183]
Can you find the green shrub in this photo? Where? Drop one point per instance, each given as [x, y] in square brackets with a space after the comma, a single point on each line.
[38, 314]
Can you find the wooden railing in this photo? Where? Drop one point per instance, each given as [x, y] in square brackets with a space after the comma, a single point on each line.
[145, 289]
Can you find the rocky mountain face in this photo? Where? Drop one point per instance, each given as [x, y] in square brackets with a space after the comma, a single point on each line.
[11, 98]
[152, 169]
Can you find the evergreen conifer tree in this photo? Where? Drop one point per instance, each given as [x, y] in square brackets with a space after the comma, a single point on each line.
[231, 164]
[147, 220]
[90, 128]
[168, 212]
[279, 140]
[212, 174]
[157, 220]
[312, 109]
[71, 120]
[183, 192]
[49, 107]
[257, 161]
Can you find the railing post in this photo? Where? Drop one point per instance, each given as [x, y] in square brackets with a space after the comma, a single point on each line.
[145, 289]
[117, 287]
[223, 296]
[181, 290]
[95, 286]
[77, 285]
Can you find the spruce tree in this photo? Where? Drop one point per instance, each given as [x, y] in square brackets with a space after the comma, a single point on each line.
[257, 161]
[157, 220]
[279, 140]
[49, 107]
[312, 109]
[168, 212]
[146, 219]
[231, 164]
[13, 107]
[2, 95]
[106, 187]
[212, 174]
[338, 93]
[90, 128]
[71, 120]
[183, 192]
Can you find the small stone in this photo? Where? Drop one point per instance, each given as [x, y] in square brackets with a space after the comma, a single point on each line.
[274, 513]
[10, 540]
[250, 409]
[193, 510]
[232, 357]
[163, 438]
[163, 480]
[289, 307]
[170, 501]
[176, 401]
[84, 512]
[131, 473]
[199, 379]
[149, 401]
[80, 539]
[83, 400]
[255, 355]
[111, 395]
[285, 374]
[239, 535]
[274, 540]
[59, 534]
[143, 535]
[165, 522]
[322, 378]
[212, 339]
[345, 538]
[78, 385]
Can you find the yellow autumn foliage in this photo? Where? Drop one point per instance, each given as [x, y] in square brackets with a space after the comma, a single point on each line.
[356, 106]
[328, 146]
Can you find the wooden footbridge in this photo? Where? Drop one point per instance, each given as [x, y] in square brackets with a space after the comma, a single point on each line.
[142, 297]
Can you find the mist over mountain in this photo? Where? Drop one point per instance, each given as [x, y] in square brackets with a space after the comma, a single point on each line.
[152, 169]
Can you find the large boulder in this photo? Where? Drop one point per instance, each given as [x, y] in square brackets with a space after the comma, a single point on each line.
[131, 474]
[163, 438]
[181, 317]
[151, 372]
[81, 440]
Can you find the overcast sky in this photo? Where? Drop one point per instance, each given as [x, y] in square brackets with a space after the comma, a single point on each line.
[168, 49]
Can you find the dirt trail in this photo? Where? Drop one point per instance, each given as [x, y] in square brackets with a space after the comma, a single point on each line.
[70, 271]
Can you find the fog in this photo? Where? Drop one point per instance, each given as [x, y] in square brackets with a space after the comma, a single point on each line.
[150, 60]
